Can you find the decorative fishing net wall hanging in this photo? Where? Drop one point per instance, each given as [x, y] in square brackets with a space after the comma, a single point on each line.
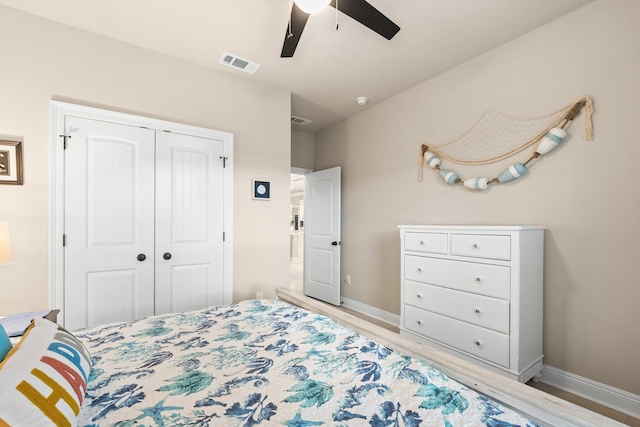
[497, 136]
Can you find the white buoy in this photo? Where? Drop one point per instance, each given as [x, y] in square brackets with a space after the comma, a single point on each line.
[432, 159]
[551, 140]
[477, 183]
[448, 176]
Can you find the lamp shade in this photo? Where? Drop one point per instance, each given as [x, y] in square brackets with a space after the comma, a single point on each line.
[6, 256]
[312, 6]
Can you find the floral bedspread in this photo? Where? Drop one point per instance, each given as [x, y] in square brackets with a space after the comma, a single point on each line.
[266, 363]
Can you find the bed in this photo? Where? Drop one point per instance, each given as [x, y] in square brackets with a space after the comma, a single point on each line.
[257, 362]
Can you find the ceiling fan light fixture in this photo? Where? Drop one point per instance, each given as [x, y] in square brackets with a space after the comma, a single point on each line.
[312, 6]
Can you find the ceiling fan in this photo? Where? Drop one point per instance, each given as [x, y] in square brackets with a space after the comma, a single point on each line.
[360, 10]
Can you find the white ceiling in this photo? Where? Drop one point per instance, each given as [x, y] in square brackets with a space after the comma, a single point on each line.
[330, 68]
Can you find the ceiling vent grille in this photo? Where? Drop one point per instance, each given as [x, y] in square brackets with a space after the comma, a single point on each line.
[239, 63]
[300, 121]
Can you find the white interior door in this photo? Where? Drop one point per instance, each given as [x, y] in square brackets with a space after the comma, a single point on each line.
[189, 222]
[109, 223]
[322, 235]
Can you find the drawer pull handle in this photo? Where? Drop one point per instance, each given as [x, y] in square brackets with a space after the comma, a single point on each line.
[419, 269]
[419, 296]
[477, 343]
[422, 242]
[419, 322]
[478, 279]
[477, 311]
[475, 246]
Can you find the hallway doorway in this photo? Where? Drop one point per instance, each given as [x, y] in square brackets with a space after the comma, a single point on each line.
[296, 230]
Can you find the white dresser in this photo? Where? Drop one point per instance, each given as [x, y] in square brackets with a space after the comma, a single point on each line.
[476, 292]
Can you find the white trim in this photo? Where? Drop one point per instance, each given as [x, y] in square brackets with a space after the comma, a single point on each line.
[300, 171]
[611, 397]
[59, 111]
[373, 312]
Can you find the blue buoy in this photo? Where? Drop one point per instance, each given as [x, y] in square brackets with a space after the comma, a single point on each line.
[448, 176]
[515, 171]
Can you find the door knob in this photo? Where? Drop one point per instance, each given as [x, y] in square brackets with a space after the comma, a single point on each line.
[334, 243]
[141, 257]
[166, 255]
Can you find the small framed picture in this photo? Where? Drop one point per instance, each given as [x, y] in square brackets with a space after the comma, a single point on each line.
[261, 190]
[11, 162]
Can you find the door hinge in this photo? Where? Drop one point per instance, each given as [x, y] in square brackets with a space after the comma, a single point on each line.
[224, 236]
[64, 138]
[64, 240]
[224, 161]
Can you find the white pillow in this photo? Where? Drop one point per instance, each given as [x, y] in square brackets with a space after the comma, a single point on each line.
[43, 379]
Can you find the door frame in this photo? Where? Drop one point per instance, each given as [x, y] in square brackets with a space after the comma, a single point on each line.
[58, 113]
[300, 171]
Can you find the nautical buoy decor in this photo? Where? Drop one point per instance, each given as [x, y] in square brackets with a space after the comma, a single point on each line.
[449, 177]
[514, 172]
[496, 137]
[551, 140]
[432, 160]
[477, 183]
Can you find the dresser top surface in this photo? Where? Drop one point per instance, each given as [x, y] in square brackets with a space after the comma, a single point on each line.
[473, 227]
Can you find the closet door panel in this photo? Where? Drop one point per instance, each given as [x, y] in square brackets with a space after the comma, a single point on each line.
[112, 297]
[109, 215]
[188, 287]
[189, 222]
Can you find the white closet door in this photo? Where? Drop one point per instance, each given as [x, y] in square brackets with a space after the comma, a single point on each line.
[109, 223]
[189, 222]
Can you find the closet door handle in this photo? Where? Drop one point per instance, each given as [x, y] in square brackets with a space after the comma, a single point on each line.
[166, 255]
[141, 257]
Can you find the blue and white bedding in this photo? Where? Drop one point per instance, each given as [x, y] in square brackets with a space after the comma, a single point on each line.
[266, 363]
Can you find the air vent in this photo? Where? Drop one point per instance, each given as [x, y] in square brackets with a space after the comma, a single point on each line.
[239, 63]
[300, 121]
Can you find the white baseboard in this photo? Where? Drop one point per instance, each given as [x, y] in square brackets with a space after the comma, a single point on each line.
[376, 313]
[612, 397]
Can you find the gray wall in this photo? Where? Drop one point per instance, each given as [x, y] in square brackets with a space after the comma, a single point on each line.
[42, 60]
[302, 150]
[584, 193]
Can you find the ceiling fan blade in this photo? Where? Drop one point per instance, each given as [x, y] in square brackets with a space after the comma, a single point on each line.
[369, 16]
[291, 39]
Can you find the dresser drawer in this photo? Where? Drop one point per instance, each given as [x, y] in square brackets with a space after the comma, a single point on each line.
[426, 242]
[483, 279]
[484, 343]
[481, 246]
[479, 310]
